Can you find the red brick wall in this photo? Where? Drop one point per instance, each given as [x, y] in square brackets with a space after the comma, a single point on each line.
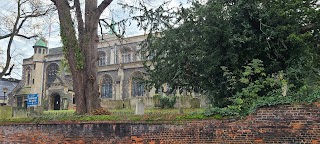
[282, 124]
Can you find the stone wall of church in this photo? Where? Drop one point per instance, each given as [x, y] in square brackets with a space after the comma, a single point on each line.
[120, 61]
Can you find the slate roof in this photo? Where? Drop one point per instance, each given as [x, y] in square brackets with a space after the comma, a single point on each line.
[7, 83]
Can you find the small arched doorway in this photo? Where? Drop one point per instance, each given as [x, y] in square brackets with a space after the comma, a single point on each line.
[56, 102]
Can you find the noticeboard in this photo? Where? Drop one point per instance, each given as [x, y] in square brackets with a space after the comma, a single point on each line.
[32, 100]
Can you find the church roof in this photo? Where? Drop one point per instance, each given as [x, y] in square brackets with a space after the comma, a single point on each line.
[24, 91]
[7, 83]
[41, 43]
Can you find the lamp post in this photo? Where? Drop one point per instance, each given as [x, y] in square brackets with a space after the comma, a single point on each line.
[5, 90]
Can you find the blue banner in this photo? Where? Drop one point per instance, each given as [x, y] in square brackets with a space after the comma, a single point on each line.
[32, 100]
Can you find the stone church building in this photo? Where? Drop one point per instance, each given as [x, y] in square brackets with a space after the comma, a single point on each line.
[119, 64]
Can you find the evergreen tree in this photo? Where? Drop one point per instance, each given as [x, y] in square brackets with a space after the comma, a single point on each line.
[284, 34]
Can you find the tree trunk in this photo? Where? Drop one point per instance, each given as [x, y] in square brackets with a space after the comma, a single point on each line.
[90, 42]
[70, 48]
[81, 53]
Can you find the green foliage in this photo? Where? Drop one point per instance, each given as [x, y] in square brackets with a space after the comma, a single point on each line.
[151, 115]
[45, 104]
[257, 89]
[251, 86]
[59, 112]
[206, 38]
[71, 43]
[164, 101]
[167, 101]
[64, 66]
[307, 94]
[16, 120]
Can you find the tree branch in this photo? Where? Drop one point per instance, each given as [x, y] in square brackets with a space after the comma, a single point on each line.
[15, 30]
[19, 35]
[21, 18]
[307, 28]
[31, 16]
[102, 6]
[79, 17]
[120, 35]
[10, 70]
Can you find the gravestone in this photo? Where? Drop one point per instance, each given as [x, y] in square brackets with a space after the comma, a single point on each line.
[65, 103]
[19, 112]
[5, 111]
[139, 107]
[195, 103]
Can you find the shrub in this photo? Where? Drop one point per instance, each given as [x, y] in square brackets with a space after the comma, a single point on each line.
[254, 88]
[167, 102]
[164, 101]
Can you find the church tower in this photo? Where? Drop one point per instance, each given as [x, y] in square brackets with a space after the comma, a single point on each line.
[40, 51]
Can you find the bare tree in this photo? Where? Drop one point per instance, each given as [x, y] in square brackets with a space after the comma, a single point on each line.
[12, 25]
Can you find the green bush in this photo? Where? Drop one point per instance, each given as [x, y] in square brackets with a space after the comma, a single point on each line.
[253, 88]
[164, 101]
[167, 102]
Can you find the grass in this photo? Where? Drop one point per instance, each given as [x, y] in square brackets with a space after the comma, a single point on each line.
[125, 115]
[156, 111]
[59, 112]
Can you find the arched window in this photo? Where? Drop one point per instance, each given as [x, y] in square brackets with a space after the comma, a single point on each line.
[102, 58]
[28, 75]
[106, 88]
[52, 71]
[137, 85]
[126, 55]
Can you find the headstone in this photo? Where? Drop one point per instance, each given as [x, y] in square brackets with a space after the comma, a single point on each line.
[195, 103]
[139, 107]
[65, 104]
[5, 111]
[20, 112]
[30, 109]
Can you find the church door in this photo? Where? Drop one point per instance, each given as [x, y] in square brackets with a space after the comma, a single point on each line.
[56, 102]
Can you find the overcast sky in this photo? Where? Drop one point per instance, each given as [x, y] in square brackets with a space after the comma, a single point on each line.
[48, 27]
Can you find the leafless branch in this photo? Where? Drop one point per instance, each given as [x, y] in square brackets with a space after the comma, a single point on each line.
[10, 70]
[19, 35]
[6, 67]
[20, 19]
[102, 6]
[111, 25]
